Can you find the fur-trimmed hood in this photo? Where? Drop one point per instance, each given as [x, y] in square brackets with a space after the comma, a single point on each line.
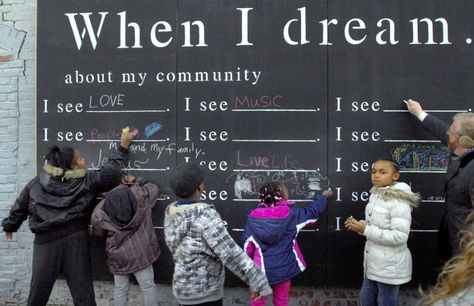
[398, 191]
[59, 172]
[54, 182]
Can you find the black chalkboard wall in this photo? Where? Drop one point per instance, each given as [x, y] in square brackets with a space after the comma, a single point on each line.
[305, 92]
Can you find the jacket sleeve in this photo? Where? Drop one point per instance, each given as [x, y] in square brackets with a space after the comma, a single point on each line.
[149, 193]
[397, 234]
[437, 128]
[312, 212]
[117, 159]
[249, 247]
[231, 255]
[96, 228]
[18, 212]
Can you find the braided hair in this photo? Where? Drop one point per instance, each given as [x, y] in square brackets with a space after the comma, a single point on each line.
[393, 163]
[270, 194]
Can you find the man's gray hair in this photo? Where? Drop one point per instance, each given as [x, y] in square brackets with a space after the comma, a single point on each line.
[465, 124]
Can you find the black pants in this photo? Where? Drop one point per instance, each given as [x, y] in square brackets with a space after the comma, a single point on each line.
[69, 255]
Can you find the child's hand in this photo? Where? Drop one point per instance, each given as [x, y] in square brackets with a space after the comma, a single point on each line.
[127, 137]
[9, 235]
[128, 180]
[258, 295]
[354, 225]
[327, 193]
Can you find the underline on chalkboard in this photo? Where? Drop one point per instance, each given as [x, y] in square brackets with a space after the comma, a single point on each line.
[129, 111]
[432, 201]
[137, 169]
[274, 140]
[256, 200]
[135, 140]
[423, 171]
[147, 169]
[275, 170]
[316, 230]
[303, 230]
[275, 110]
[428, 111]
[409, 140]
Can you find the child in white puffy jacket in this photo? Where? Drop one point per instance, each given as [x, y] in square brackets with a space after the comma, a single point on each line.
[387, 259]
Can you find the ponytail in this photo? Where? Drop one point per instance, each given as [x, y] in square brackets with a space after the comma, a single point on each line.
[270, 194]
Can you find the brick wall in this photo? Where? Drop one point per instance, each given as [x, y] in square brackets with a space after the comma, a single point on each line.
[16, 140]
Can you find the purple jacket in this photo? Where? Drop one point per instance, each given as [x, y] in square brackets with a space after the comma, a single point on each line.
[270, 237]
[134, 246]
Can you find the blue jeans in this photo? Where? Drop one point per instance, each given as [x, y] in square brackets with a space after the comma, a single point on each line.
[375, 293]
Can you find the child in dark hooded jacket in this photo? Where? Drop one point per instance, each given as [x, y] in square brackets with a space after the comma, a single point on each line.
[270, 237]
[132, 246]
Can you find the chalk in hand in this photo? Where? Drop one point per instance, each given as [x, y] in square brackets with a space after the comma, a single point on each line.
[125, 130]
[406, 102]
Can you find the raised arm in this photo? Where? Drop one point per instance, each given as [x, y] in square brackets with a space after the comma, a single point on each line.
[435, 126]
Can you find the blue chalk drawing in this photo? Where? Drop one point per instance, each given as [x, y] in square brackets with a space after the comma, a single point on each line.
[153, 128]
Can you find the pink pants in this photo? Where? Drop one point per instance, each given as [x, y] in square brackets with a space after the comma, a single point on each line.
[280, 295]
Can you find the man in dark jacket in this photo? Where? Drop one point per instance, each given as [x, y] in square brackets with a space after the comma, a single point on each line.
[132, 246]
[58, 203]
[459, 180]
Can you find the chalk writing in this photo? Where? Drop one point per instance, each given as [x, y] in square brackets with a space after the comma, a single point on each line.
[105, 101]
[136, 163]
[97, 134]
[434, 199]
[258, 102]
[270, 161]
[138, 147]
[170, 148]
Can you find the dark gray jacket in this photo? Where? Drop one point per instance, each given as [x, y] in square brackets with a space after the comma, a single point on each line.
[458, 184]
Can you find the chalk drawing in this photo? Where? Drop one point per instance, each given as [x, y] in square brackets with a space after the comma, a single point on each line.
[421, 157]
[153, 128]
[303, 185]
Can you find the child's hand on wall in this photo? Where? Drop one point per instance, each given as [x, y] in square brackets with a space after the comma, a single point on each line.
[327, 193]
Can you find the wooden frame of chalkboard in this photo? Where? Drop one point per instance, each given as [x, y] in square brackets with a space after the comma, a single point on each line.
[304, 92]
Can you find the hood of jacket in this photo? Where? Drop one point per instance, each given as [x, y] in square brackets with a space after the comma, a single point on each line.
[59, 183]
[398, 191]
[139, 213]
[179, 219]
[121, 206]
[269, 224]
